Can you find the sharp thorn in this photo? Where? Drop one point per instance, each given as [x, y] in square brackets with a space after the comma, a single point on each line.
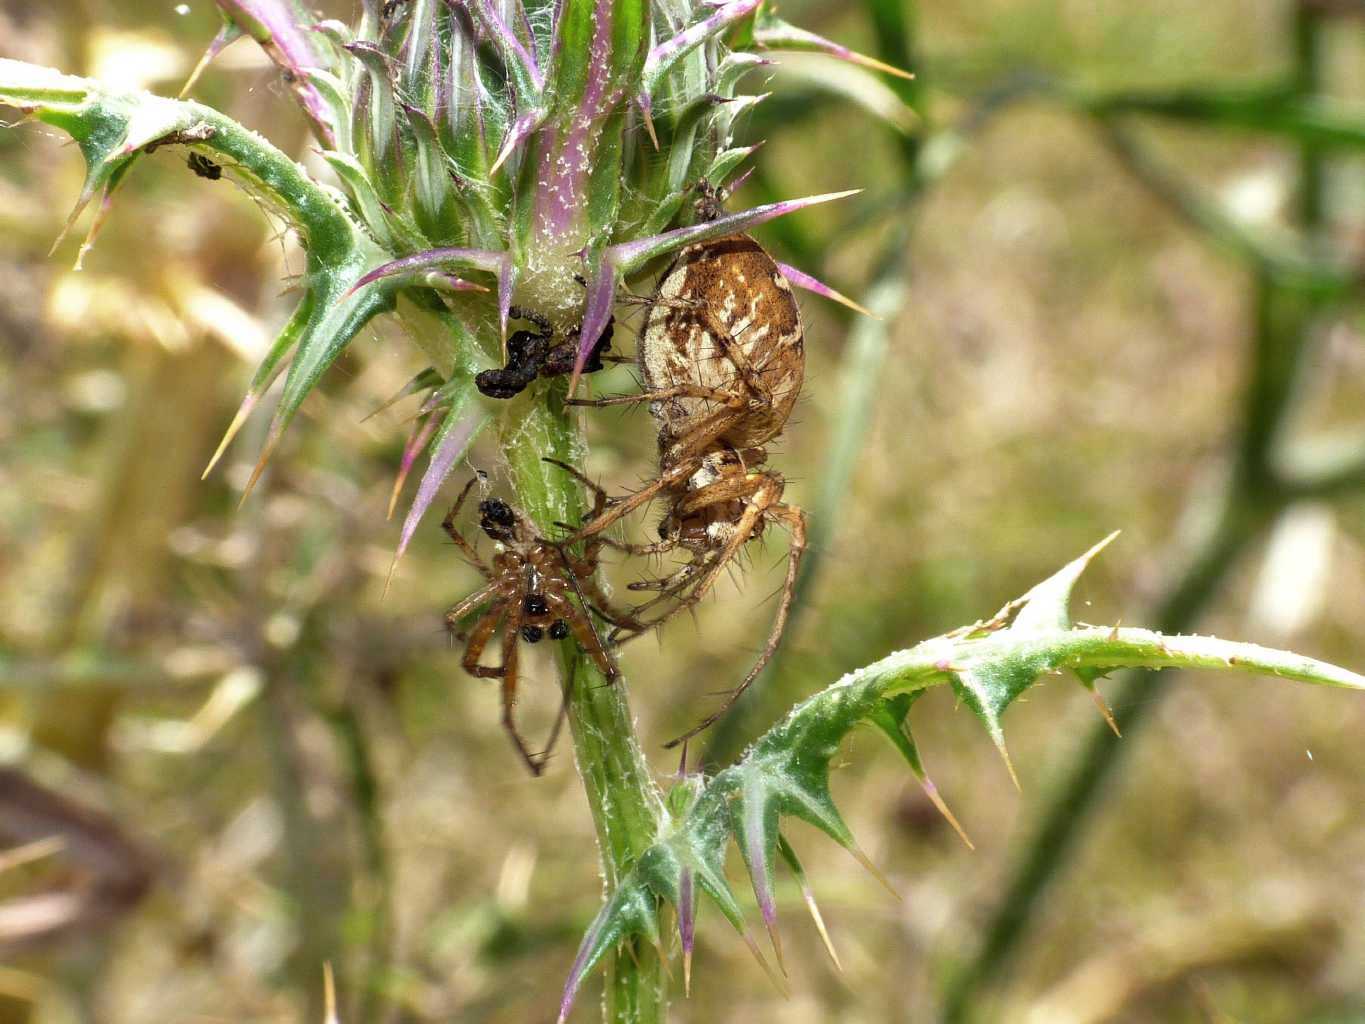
[931, 791]
[763, 962]
[96, 223]
[775, 937]
[242, 413]
[857, 307]
[872, 869]
[1103, 705]
[1009, 765]
[649, 125]
[266, 452]
[814, 909]
[507, 149]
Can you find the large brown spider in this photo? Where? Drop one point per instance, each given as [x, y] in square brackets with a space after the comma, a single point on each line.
[722, 356]
[529, 593]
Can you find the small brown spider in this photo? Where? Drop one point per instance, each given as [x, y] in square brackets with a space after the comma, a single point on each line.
[722, 356]
[529, 593]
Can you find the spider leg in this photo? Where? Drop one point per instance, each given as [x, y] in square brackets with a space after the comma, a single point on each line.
[759, 494]
[581, 625]
[459, 611]
[585, 633]
[544, 756]
[741, 486]
[511, 639]
[659, 547]
[751, 490]
[669, 583]
[763, 394]
[726, 398]
[599, 504]
[669, 588]
[703, 436]
[478, 639]
[620, 623]
[663, 482]
[603, 606]
[596, 542]
[598, 493]
[794, 520]
[448, 524]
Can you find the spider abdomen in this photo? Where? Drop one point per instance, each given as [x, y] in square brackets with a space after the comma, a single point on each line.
[732, 288]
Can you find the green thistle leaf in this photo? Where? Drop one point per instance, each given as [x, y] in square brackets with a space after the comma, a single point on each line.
[786, 772]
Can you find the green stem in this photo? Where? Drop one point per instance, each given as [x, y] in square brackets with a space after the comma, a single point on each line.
[626, 805]
[375, 895]
[1247, 509]
[1306, 80]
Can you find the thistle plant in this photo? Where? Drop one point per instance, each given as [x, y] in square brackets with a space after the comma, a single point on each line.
[477, 155]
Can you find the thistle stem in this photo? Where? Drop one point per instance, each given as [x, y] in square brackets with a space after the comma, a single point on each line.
[626, 805]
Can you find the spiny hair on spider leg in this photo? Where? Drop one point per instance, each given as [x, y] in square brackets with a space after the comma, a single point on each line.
[773, 593]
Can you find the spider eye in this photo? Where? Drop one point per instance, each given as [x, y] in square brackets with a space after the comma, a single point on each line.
[558, 631]
[532, 634]
[535, 604]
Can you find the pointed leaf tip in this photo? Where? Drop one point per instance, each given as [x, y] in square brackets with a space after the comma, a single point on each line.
[890, 716]
[757, 954]
[267, 450]
[97, 222]
[808, 894]
[771, 32]
[873, 870]
[227, 35]
[760, 837]
[805, 281]
[520, 130]
[243, 412]
[687, 924]
[1009, 764]
[646, 107]
[421, 434]
[990, 687]
[629, 911]
[457, 432]
[597, 311]
[1047, 605]
[935, 798]
[628, 257]
[1105, 712]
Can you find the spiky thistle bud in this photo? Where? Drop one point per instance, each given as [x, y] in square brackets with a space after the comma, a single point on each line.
[501, 152]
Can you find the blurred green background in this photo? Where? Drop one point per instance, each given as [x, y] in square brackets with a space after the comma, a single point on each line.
[259, 763]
